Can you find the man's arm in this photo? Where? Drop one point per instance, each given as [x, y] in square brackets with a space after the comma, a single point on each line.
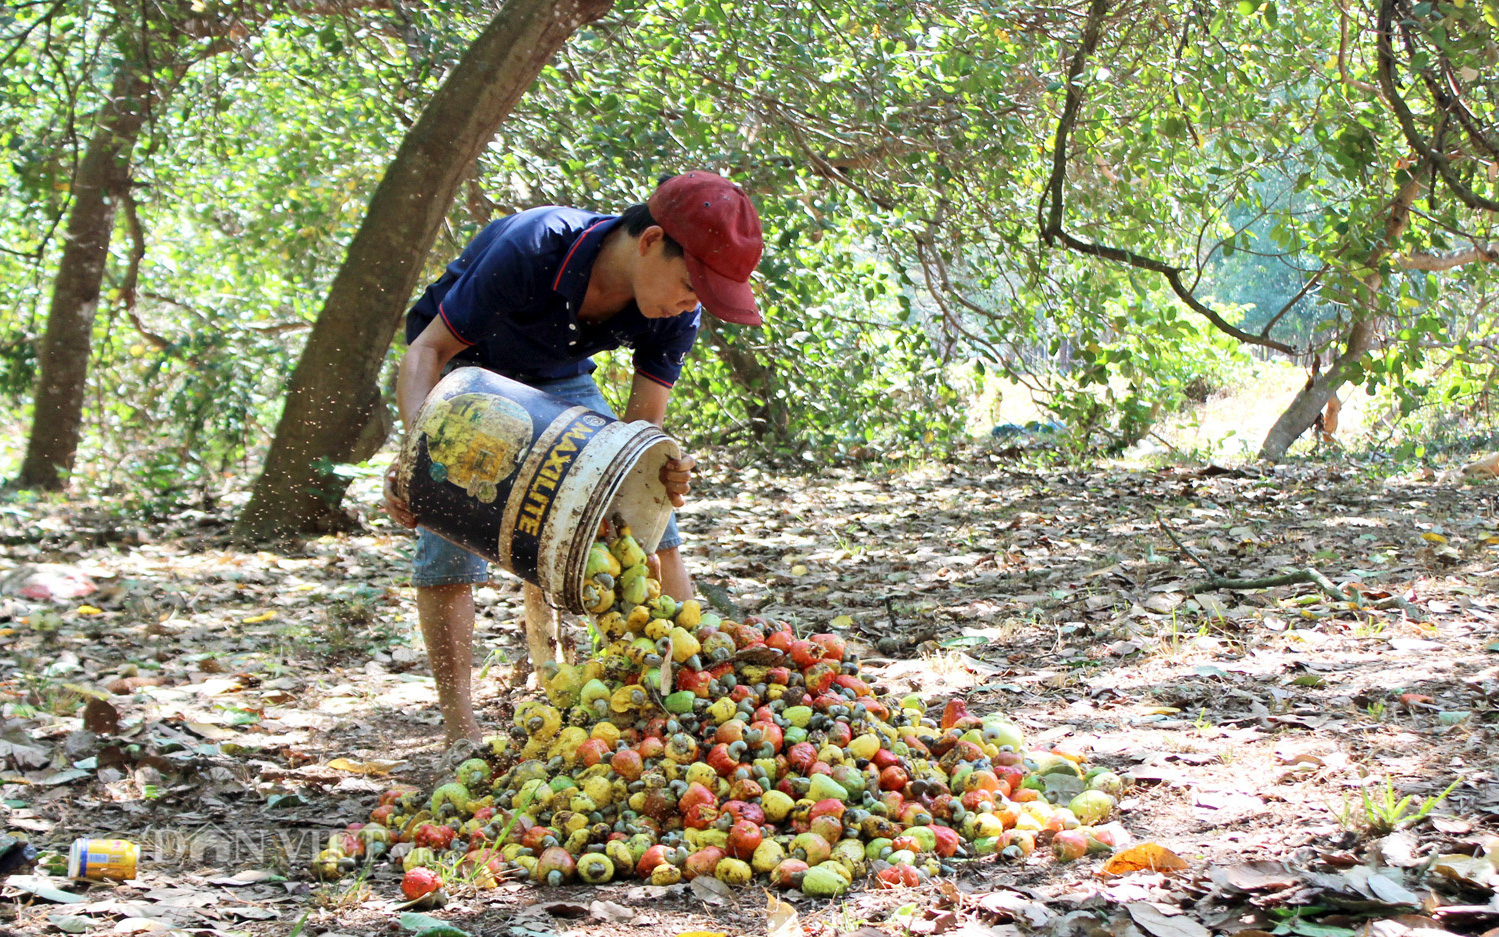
[648, 402]
[421, 367]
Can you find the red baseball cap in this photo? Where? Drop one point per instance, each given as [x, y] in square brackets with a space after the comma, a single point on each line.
[719, 231]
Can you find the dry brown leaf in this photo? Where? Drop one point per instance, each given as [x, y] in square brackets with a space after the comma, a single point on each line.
[1488, 465]
[210, 732]
[23, 757]
[1479, 871]
[780, 918]
[1152, 920]
[1146, 857]
[610, 912]
[1264, 875]
[711, 891]
[127, 685]
[373, 767]
[101, 718]
[1005, 905]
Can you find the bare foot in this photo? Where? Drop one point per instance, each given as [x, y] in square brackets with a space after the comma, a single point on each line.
[461, 749]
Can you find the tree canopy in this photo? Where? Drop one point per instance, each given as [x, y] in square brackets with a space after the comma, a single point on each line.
[1103, 201]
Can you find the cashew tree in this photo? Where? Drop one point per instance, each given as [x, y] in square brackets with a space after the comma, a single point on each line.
[334, 387]
[1363, 140]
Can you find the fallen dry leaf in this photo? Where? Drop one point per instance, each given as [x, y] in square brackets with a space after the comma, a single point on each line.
[781, 919]
[1154, 921]
[1146, 857]
[101, 718]
[610, 912]
[1487, 465]
[711, 891]
[1474, 871]
[372, 767]
[1257, 876]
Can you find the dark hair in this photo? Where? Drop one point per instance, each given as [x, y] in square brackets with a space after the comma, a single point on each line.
[637, 218]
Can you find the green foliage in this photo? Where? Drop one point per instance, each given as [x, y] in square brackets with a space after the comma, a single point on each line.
[848, 381]
[1261, 265]
[1384, 814]
[43, 88]
[896, 152]
[852, 360]
[17, 363]
[1438, 391]
[248, 185]
[196, 415]
[1151, 361]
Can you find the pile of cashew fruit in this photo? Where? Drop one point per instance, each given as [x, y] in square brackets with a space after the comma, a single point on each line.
[689, 745]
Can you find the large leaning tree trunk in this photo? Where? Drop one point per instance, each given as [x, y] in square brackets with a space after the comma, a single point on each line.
[1403, 29]
[1445, 130]
[1363, 333]
[1360, 338]
[333, 389]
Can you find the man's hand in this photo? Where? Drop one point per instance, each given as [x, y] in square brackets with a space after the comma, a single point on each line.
[395, 506]
[676, 475]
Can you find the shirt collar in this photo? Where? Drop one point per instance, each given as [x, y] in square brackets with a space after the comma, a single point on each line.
[571, 282]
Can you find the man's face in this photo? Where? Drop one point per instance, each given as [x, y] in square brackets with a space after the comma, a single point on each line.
[662, 287]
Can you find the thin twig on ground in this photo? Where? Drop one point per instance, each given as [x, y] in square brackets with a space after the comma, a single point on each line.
[1217, 580]
[1308, 574]
[1184, 548]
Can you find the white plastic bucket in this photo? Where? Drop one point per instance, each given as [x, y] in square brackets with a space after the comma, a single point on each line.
[525, 479]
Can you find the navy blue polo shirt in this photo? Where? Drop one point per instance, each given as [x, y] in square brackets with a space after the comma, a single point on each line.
[513, 297]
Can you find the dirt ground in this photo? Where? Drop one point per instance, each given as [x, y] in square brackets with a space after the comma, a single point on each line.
[228, 709]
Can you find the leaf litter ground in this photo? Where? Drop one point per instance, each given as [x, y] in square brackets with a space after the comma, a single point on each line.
[227, 709]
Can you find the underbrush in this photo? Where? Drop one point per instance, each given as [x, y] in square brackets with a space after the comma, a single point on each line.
[1231, 423]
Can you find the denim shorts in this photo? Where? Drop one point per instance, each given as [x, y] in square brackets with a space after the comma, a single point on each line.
[440, 562]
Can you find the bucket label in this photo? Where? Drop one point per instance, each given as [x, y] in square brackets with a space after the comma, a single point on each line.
[542, 477]
[476, 441]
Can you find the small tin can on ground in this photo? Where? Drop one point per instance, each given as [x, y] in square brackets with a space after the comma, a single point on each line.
[103, 859]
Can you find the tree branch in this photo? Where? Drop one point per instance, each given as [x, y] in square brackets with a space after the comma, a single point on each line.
[828, 169]
[133, 271]
[1306, 288]
[1285, 579]
[1441, 161]
[1446, 260]
[1343, 44]
[1049, 211]
[21, 39]
[943, 288]
[1161, 522]
[1451, 102]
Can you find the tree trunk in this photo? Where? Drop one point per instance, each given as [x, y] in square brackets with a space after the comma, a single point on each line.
[1310, 401]
[98, 188]
[769, 418]
[334, 386]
